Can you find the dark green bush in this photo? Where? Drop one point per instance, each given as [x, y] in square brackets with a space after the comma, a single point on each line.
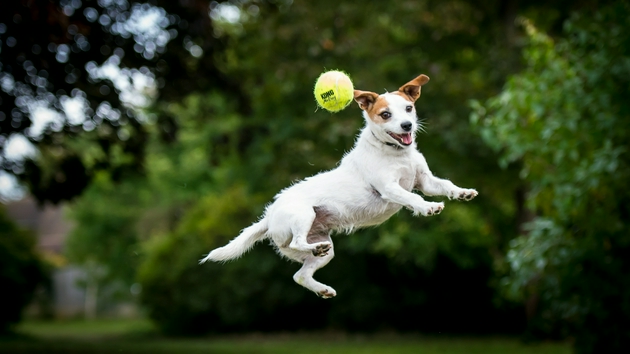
[565, 120]
[21, 271]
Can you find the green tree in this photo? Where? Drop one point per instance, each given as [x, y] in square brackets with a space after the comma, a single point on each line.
[564, 119]
[51, 52]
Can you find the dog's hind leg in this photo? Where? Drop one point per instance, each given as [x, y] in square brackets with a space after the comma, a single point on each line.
[312, 263]
[310, 245]
[305, 224]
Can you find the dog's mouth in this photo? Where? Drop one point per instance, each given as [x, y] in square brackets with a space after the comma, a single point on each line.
[404, 138]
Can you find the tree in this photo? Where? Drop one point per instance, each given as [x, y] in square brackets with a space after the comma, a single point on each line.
[564, 118]
[51, 62]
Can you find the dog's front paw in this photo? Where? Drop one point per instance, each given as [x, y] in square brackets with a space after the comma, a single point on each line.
[466, 194]
[430, 208]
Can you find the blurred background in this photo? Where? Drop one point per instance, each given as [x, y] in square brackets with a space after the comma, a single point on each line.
[135, 136]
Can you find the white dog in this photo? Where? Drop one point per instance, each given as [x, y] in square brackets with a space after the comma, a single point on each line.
[373, 182]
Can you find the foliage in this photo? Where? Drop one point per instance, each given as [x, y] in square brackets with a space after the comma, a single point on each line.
[565, 119]
[108, 58]
[21, 271]
[105, 234]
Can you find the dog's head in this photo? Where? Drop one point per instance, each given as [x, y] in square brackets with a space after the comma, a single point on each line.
[392, 116]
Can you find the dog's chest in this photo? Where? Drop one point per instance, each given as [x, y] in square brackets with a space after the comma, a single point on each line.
[399, 170]
[406, 176]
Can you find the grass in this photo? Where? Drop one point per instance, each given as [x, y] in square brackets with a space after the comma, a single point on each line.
[139, 336]
[81, 329]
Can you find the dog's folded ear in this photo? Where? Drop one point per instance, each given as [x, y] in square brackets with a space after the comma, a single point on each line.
[365, 98]
[412, 88]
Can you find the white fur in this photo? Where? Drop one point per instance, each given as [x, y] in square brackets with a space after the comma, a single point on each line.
[373, 182]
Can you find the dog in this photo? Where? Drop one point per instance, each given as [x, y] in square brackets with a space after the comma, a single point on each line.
[372, 182]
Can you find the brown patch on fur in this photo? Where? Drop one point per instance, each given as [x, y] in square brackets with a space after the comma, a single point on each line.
[376, 109]
[365, 98]
[412, 89]
[373, 103]
[317, 238]
[320, 230]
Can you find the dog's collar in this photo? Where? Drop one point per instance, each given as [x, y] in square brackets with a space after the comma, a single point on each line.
[395, 146]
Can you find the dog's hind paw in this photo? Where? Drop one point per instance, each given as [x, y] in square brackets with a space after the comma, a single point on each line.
[321, 249]
[467, 194]
[327, 293]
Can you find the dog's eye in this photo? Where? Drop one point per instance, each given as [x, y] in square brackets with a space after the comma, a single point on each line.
[386, 115]
[409, 109]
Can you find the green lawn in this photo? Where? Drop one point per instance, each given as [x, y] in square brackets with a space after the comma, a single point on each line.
[135, 336]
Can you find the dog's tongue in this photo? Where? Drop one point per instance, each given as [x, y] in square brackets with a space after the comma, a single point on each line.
[406, 138]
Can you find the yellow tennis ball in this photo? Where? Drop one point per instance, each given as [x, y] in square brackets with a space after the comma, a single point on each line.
[333, 91]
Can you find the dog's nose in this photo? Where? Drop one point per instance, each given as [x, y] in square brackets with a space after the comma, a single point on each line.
[406, 126]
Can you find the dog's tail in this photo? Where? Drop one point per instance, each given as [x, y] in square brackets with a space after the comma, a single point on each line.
[240, 244]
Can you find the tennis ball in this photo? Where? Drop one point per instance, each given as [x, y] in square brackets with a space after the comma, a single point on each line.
[333, 91]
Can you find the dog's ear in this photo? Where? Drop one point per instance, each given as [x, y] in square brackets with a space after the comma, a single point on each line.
[365, 98]
[412, 88]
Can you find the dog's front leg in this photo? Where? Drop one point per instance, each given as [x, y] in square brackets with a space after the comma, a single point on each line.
[394, 193]
[431, 185]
